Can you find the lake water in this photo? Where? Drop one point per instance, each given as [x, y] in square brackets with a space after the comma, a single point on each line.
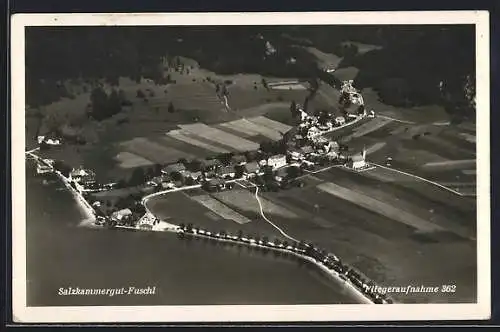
[196, 272]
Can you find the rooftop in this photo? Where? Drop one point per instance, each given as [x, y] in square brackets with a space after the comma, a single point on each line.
[307, 149]
[277, 156]
[225, 170]
[174, 168]
[252, 167]
[357, 157]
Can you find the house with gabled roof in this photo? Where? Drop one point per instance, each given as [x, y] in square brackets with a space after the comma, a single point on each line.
[226, 172]
[277, 161]
[251, 169]
[173, 168]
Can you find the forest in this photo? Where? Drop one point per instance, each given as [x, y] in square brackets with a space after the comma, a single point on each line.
[416, 64]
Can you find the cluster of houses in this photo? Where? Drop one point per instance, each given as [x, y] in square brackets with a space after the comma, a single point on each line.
[353, 105]
[213, 174]
[84, 181]
[307, 148]
[353, 95]
[47, 166]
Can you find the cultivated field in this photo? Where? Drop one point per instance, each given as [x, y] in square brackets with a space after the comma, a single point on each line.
[232, 141]
[246, 201]
[326, 97]
[130, 160]
[468, 137]
[450, 164]
[192, 211]
[374, 148]
[244, 99]
[325, 60]
[411, 234]
[435, 151]
[362, 47]
[189, 138]
[346, 74]
[371, 126]
[252, 129]
[194, 98]
[153, 151]
[266, 122]
[416, 157]
[288, 86]
[379, 207]
[220, 209]
[422, 114]
[444, 209]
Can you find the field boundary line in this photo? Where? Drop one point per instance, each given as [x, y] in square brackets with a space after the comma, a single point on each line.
[394, 119]
[420, 178]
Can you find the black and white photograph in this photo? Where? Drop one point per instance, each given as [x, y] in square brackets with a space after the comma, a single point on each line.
[250, 167]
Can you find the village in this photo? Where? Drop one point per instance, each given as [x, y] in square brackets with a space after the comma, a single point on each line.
[275, 166]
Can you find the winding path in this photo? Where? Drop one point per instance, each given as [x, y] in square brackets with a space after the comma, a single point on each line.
[269, 221]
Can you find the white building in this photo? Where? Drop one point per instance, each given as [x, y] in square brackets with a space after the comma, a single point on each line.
[295, 155]
[339, 120]
[42, 169]
[313, 131]
[303, 115]
[78, 173]
[119, 215]
[358, 160]
[276, 161]
[53, 141]
[49, 141]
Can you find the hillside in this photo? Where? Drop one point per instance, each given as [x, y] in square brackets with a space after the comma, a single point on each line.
[421, 67]
[407, 65]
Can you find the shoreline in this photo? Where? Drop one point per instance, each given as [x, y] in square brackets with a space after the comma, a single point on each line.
[332, 274]
[85, 207]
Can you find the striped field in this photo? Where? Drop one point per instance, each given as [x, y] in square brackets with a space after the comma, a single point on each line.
[263, 121]
[221, 137]
[130, 160]
[220, 209]
[153, 151]
[247, 127]
[188, 138]
[379, 207]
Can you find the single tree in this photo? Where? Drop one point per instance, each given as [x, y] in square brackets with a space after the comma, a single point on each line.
[140, 94]
[137, 177]
[293, 108]
[171, 108]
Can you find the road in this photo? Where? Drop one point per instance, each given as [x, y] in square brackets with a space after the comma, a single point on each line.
[32, 150]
